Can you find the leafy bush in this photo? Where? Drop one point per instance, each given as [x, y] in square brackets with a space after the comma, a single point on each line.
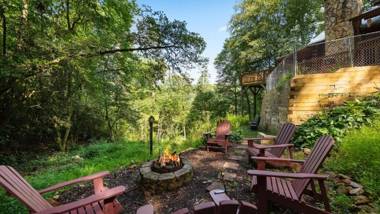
[337, 121]
[342, 203]
[237, 121]
[358, 156]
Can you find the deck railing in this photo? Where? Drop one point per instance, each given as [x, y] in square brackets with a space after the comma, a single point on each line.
[325, 57]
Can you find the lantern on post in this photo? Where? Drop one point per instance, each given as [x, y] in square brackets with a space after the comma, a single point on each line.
[151, 121]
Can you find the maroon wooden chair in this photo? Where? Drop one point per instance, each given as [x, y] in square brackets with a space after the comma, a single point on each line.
[281, 142]
[220, 140]
[103, 201]
[227, 206]
[275, 186]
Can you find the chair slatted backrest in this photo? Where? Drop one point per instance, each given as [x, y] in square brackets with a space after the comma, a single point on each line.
[223, 128]
[16, 185]
[284, 137]
[319, 153]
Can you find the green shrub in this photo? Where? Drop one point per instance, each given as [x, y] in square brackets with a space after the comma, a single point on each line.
[358, 156]
[342, 203]
[338, 121]
[237, 121]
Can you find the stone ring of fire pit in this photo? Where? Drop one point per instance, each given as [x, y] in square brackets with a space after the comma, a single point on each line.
[157, 182]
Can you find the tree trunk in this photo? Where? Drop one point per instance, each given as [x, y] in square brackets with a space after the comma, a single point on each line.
[4, 25]
[184, 130]
[236, 100]
[23, 21]
[248, 104]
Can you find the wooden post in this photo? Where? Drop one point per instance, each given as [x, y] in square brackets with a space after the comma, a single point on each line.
[151, 121]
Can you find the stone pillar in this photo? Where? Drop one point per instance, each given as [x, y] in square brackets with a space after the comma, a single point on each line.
[337, 22]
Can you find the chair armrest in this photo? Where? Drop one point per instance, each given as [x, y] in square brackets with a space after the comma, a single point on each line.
[273, 159]
[109, 193]
[262, 146]
[208, 135]
[260, 138]
[227, 135]
[265, 173]
[146, 209]
[75, 181]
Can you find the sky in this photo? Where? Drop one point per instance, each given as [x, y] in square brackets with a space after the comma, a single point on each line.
[209, 18]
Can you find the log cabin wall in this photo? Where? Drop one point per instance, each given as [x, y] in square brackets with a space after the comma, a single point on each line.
[312, 93]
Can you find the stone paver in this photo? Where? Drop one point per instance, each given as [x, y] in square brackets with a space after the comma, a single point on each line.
[236, 157]
[229, 176]
[215, 185]
[231, 165]
[242, 146]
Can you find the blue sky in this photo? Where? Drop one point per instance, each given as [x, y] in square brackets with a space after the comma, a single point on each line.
[209, 18]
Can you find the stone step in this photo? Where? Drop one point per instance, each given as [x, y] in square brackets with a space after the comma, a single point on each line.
[231, 165]
[229, 176]
[241, 146]
[215, 185]
[236, 157]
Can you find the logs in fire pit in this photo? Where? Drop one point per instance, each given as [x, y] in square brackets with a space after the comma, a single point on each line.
[167, 173]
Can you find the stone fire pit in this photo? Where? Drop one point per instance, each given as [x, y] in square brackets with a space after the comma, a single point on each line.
[157, 182]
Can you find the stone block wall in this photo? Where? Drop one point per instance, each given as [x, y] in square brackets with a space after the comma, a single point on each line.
[274, 107]
[338, 24]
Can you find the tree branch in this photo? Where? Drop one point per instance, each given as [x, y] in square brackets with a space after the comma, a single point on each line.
[118, 50]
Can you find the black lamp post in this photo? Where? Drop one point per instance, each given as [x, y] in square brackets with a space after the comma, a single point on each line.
[151, 121]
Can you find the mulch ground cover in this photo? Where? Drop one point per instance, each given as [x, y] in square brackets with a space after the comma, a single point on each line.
[208, 168]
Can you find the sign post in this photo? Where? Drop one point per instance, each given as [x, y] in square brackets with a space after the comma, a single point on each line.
[151, 121]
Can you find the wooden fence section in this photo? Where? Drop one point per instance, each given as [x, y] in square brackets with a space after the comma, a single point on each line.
[311, 93]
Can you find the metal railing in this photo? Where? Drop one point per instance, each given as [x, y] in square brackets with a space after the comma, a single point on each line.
[325, 57]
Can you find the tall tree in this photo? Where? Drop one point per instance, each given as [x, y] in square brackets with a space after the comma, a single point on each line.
[261, 32]
[71, 68]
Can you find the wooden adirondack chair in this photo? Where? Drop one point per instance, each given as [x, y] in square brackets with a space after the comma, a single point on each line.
[281, 142]
[227, 206]
[275, 186]
[223, 130]
[103, 201]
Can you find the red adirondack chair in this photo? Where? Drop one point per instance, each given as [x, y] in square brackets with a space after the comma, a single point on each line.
[281, 142]
[103, 201]
[220, 140]
[225, 205]
[275, 186]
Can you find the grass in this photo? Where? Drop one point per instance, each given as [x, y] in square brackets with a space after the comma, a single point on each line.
[358, 155]
[84, 160]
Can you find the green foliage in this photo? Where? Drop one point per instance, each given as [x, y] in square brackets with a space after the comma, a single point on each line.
[240, 126]
[261, 32]
[358, 156]
[283, 81]
[342, 203]
[337, 121]
[70, 70]
[237, 121]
